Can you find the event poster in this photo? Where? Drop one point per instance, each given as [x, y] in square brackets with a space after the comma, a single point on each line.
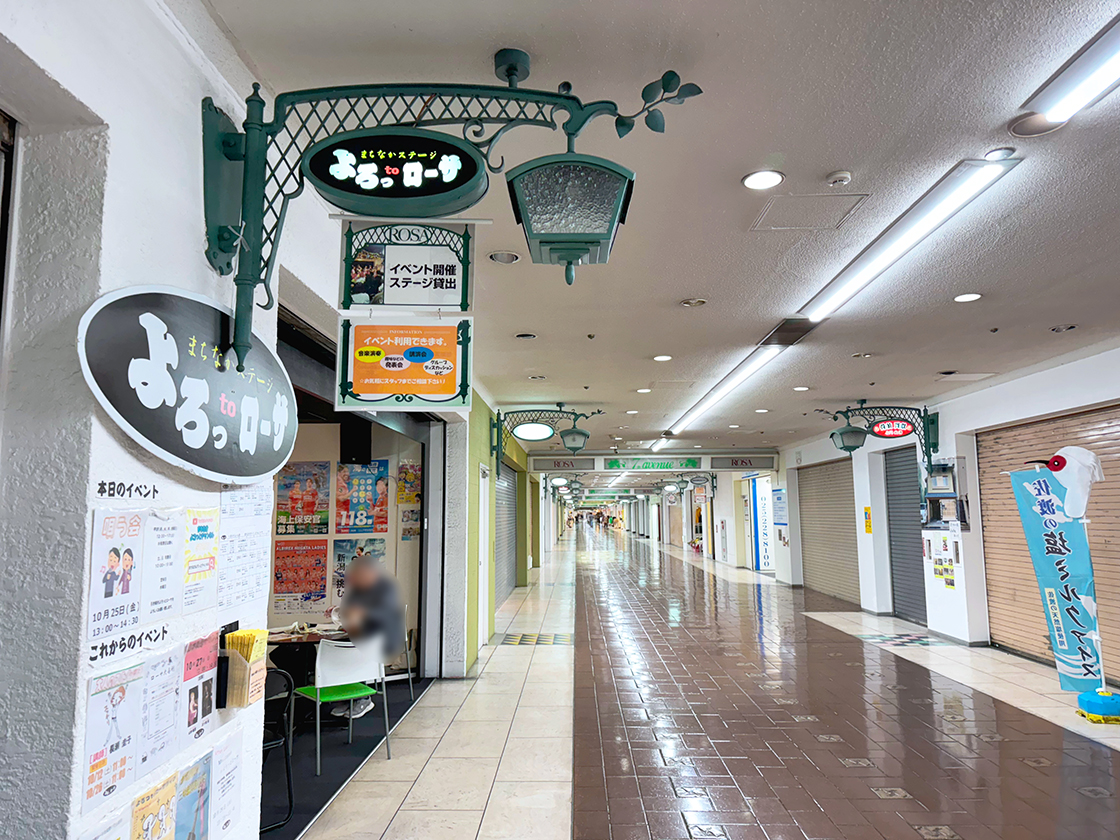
[362, 506]
[410, 524]
[225, 802]
[196, 697]
[408, 483]
[115, 829]
[1059, 550]
[162, 585]
[115, 563]
[299, 576]
[417, 359]
[245, 545]
[192, 808]
[159, 711]
[345, 551]
[200, 564]
[153, 812]
[112, 733]
[303, 498]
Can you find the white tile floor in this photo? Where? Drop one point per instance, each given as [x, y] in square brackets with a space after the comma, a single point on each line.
[488, 757]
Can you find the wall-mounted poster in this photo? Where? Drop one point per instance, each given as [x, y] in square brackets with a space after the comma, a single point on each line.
[299, 576]
[362, 505]
[163, 563]
[196, 697]
[408, 483]
[153, 812]
[303, 498]
[192, 810]
[225, 805]
[115, 829]
[410, 524]
[200, 561]
[159, 711]
[115, 564]
[346, 550]
[112, 733]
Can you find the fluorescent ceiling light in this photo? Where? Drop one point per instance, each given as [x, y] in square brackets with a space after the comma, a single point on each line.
[559, 481]
[533, 431]
[743, 371]
[663, 358]
[618, 478]
[963, 183]
[1083, 80]
[659, 445]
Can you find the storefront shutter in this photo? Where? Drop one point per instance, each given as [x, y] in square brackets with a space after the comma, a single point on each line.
[505, 536]
[904, 528]
[826, 498]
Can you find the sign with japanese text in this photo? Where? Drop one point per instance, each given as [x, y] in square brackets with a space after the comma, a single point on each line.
[406, 364]
[112, 734]
[158, 362]
[197, 695]
[153, 812]
[200, 560]
[303, 498]
[891, 428]
[299, 577]
[115, 572]
[1059, 550]
[406, 265]
[397, 172]
[362, 506]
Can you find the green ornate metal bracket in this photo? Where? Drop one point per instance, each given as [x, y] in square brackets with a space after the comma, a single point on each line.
[502, 425]
[925, 424]
[264, 159]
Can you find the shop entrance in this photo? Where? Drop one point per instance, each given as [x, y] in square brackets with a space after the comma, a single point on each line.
[826, 496]
[904, 526]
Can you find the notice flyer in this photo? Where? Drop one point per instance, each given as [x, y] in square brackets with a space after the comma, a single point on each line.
[408, 483]
[344, 551]
[114, 579]
[159, 711]
[115, 829]
[196, 696]
[244, 547]
[162, 588]
[225, 802]
[192, 809]
[200, 562]
[410, 524]
[362, 506]
[303, 498]
[299, 576]
[153, 812]
[112, 734]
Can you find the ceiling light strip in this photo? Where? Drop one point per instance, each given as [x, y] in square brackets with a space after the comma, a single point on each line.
[618, 478]
[1083, 80]
[957, 188]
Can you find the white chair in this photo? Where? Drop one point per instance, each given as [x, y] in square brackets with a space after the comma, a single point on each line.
[342, 670]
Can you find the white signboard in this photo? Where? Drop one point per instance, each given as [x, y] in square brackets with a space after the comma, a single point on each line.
[763, 535]
[423, 275]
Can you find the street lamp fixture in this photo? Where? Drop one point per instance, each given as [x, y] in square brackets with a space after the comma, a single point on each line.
[537, 424]
[886, 421]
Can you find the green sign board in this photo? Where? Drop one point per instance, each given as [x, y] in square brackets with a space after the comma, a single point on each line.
[653, 463]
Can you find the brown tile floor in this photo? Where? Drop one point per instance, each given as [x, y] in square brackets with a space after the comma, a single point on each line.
[710, 709]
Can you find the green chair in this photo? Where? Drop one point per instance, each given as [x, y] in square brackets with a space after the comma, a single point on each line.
[342, 670]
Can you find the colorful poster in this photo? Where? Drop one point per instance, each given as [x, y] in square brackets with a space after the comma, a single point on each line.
[200, 562]
[408, 483]
[114, 578]
[196, 697]
[419, 359]
[115, 829]
[1059, 550]
[410, 524]
[225, 804]
[112, 734]
[245, 545]
[192, 809]
[367, 275]
[162, 586]
[153, 813]
[299, 576]
[303, 498]
[346, 550]
[159, 711]
[362, 506]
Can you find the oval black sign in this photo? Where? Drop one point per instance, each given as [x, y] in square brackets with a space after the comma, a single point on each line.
[154, 358]
[397, 172]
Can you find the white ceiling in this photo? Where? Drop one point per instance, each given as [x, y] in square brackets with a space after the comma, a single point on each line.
[895, 92]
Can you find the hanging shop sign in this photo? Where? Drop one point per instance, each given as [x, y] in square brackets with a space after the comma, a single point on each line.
[561, 464]
[753, 462]
[158, 361]
[404, 364]
[893, 428]
[654, 463]
[406, 265]
[396, 172]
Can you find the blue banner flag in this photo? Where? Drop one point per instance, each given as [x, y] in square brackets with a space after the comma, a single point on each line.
[1060, 551]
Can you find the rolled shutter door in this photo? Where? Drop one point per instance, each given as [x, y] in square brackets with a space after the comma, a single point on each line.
[827, 501]
[505, 536]
[904, 528]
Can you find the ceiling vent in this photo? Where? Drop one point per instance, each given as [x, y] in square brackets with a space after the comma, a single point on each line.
[789, 332]
[808, 212]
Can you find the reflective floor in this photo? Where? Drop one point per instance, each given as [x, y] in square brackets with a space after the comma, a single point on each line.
[710, 706]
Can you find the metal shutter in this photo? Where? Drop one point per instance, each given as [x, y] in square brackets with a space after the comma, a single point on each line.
[904, 527]
[1015, 612]
[827, 499]
[505, 536]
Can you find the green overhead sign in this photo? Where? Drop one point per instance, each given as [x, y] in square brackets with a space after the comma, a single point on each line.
[651, 464]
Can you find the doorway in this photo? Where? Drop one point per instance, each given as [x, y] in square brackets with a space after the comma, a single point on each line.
[904, 528]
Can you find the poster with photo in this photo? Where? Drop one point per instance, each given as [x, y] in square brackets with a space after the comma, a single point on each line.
[225, 804]
[162, 585]
[299, 576]
[303, 498]
[115, 829]
[346, 550]
[192, 806]
[159, 711]
[112, 733]
[362, 503]
[114, 577]
[196, 696]
[200, 562]
[408, 483]
[153, 812]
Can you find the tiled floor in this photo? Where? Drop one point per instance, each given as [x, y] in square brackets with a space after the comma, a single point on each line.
[708, 705]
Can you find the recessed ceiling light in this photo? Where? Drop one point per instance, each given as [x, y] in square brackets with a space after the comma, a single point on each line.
[690, 302]
[968, 297]
[526, 336]
[644, 390]
[505, 257]
[662, 358]
[631, 411]
[1061, 328]
[1002, 153]
[761, 410]
[624, 427]
[764, 179]
[698, 446]
[801, 387]
[537, 377]
[861, 355]
[733, 426]
[618, 438]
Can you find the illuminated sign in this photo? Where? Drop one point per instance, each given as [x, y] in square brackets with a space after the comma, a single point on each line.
[397, 172]
[891, 428]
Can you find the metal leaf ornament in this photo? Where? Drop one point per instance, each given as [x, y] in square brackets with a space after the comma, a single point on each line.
[666, 89]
